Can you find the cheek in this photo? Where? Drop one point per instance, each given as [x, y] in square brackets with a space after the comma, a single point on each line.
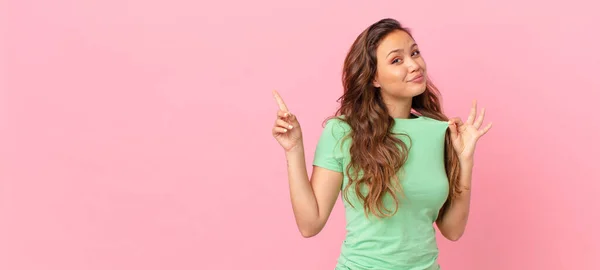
[422, 63]
[393, 76]
[399, 73]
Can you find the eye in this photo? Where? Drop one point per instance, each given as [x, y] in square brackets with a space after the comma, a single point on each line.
[396, 60]
[415, 53]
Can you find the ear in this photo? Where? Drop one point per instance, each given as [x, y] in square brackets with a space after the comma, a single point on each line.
[376, 83]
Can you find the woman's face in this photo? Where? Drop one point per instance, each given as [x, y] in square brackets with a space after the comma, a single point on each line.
[401, 71]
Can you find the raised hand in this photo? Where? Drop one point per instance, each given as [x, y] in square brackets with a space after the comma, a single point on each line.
[287, 128]
[465, 135]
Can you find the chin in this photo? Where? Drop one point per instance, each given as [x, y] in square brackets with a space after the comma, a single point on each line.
[418, 90]
[408, 92]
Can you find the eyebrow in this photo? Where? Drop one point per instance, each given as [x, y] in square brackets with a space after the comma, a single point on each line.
[401, 50]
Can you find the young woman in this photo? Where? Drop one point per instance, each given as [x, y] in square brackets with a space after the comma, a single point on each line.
[398, 161]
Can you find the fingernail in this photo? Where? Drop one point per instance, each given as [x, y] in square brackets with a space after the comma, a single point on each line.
[291, 126]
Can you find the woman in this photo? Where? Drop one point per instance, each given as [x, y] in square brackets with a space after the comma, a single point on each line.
[399, 162]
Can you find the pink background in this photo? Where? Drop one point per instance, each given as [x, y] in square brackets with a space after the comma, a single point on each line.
[136, 134]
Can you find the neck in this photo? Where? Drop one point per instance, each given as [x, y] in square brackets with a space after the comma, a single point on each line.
[399, 108]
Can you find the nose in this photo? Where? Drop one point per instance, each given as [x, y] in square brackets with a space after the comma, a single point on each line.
[412, 65]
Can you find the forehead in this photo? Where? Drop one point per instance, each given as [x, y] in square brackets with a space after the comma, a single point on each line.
[395, 40]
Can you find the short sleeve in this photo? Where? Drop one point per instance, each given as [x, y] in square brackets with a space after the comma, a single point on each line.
[329, 151]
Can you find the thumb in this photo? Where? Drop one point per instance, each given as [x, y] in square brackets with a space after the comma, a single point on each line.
[453, 130]
[291, 116]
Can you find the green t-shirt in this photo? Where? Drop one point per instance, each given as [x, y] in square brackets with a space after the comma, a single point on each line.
[406, 240]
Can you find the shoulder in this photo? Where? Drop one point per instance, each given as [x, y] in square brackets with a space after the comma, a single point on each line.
[434, 122]
[335, 132]
[423, 126]
[332, 145]
[337, 126]
[431, 128]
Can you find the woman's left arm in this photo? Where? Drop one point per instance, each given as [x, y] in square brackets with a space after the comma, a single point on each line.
[453, 225]
[464, 137]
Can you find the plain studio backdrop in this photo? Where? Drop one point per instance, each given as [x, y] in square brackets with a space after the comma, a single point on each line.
[137, 134]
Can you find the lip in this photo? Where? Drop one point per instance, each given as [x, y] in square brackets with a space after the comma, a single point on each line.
[417, 79]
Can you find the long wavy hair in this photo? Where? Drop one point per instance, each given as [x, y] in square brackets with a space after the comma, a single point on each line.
[377, 153]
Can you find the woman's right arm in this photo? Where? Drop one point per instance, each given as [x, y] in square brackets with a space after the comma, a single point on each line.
[314, 198]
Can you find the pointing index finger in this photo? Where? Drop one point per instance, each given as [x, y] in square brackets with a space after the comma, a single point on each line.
[280, 101]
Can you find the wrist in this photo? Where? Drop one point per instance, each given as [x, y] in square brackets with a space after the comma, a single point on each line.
[296, 149]
[466, 172]
[466, 163]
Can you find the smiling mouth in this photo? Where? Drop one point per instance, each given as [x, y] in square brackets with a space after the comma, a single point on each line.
[416, 79]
